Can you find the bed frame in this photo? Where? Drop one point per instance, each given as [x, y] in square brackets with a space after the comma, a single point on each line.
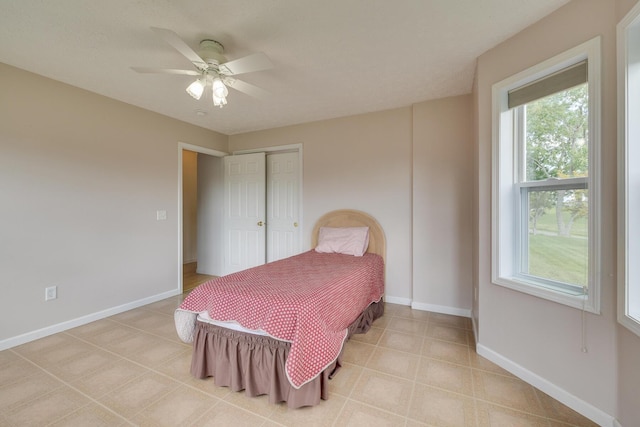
[256, 364]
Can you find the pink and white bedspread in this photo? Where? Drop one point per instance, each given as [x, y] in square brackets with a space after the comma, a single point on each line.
[308, 299]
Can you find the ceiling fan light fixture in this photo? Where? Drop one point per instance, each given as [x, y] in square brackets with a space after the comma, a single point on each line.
[212, 68]
[219, 88]
[196, 88]
[212, 52]
[219, 102]
[220, 92]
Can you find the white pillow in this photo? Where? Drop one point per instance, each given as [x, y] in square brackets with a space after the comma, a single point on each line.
[343, 240]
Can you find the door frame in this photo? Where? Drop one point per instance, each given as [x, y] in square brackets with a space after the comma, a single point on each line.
[282, 149]
[201, 150]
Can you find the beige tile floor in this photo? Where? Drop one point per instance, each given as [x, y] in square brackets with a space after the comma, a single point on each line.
[413, 368]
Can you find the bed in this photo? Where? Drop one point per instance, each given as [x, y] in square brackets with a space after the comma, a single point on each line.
[279, 329]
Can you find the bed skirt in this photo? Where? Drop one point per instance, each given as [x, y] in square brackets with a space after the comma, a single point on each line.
[256, 364]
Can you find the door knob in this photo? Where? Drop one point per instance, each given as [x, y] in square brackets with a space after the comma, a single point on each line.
[295, 224]
[260, 223]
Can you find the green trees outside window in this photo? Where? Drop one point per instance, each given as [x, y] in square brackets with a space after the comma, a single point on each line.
[556, 149]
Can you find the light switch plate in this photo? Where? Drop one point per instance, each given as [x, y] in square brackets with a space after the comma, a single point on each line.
[161, 215]
[50, 293]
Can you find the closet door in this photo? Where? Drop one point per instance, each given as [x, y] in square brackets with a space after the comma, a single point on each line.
[244, 218]
[283, 200]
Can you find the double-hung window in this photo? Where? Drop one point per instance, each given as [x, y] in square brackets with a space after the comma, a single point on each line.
[629, 170]
[545, 179]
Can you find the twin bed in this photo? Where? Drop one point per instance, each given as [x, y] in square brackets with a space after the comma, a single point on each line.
[279, 329]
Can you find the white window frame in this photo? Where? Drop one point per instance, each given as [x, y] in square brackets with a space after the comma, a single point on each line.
[628, 33]
[506, 257]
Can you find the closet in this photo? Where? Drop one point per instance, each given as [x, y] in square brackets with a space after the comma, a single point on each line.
[248, 210]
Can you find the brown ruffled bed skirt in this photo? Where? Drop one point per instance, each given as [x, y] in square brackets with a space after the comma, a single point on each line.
[255, 363]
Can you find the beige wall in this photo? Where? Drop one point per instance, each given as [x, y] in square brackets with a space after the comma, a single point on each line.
[84, 176]
[442, 200]
[360, 162]
[81, 179]
[387, 164]
[541, 337]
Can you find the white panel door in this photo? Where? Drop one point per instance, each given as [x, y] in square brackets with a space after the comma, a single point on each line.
[244, 219]
[283, 228]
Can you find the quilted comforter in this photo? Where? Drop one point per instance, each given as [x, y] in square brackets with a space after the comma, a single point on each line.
[308, 299]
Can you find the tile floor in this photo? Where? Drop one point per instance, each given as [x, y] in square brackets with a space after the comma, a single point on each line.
[412, 369]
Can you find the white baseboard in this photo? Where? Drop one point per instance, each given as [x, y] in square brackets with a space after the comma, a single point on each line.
[441, 309]
[586, 409]
[73, 323]
[397, 300]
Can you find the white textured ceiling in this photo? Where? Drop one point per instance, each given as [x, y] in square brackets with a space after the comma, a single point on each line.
[332, 58]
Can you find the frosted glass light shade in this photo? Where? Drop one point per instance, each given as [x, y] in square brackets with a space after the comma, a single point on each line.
[219, 89]
[219, 102]
[196, 88]
[220, 93]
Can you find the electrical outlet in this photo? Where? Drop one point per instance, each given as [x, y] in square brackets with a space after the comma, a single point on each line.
[50, 293]
[161, 215]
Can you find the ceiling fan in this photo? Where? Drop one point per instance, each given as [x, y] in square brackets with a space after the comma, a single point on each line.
[212, 68]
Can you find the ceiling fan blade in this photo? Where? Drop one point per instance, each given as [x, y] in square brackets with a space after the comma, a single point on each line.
[178, 44]
[165, 71]
[247, 88]
[255, 62]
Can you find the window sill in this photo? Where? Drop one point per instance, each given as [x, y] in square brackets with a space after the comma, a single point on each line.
[578, 301]
[631, 323]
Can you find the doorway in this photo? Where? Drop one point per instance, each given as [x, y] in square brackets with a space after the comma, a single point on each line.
[191, 241]
[283, 208]
[190, 277]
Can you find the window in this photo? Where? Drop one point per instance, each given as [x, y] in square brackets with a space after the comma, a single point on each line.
[546, 184]
[629, 170]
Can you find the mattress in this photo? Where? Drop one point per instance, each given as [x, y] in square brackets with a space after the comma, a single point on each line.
[233, 325]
